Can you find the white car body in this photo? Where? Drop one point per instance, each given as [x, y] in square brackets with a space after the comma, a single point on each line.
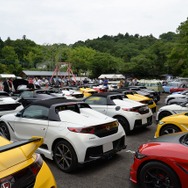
[9, 105]
[64, 129]
[171, 109]
[122, 108]
[176, 95]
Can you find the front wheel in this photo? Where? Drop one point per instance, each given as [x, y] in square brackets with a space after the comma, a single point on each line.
[169, 129]
[4, 132]
[156, 174]
[164, 114]
[65, 156]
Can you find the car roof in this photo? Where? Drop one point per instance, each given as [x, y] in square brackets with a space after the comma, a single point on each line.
[56, 100]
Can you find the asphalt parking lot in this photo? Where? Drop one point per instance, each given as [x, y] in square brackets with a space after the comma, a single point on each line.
[110, 173]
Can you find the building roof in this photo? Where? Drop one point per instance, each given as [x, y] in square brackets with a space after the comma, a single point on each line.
[43, 73]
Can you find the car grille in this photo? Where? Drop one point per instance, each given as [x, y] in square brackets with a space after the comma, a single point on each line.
[6, 107]
[97, 152]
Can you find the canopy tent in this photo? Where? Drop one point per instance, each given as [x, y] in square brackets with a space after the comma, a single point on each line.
[7, 76]
[112, 76]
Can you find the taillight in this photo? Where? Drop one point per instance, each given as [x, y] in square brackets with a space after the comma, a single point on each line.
[94, 129]
[130, 109]
[88, 130]
[7, 181]
[36, 166]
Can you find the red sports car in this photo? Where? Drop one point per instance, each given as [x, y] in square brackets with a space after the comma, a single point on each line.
[181, 87]
[162, 162]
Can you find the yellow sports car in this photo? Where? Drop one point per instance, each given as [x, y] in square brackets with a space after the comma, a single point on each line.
[87, 91]
[171, 124]
[21, 167]
[146, 100]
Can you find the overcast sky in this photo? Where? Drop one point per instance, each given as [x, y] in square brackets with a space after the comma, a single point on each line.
[68, 21]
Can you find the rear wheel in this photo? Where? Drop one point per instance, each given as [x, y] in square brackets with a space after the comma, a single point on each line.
[65, 156]
[155, 174]
[4, 130]
[164, 114]
[168, 129]
[124, 123]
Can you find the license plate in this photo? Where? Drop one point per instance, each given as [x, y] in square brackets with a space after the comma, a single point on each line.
[144, 121]
[107, 147]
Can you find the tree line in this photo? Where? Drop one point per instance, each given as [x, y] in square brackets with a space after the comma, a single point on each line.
[130, 55]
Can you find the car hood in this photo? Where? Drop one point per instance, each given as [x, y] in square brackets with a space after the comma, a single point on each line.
[127, 103]
[7, 100]
[171, 107]
[87, 117]
[17, 153]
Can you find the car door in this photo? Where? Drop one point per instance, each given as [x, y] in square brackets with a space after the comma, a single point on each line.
[32, 122]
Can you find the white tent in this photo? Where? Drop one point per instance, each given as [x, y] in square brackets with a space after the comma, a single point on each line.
[111, 76]
[7, 76]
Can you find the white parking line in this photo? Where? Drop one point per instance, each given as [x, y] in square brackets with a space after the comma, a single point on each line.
[130, 151]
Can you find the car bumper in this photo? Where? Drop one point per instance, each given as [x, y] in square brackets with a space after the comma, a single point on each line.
[45, 178]
[139, 122]
[102, 151]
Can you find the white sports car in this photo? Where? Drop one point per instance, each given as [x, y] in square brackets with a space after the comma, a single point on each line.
[8, 104]
[176, 96]
[171, 109]
[73, 133]
[131, 114]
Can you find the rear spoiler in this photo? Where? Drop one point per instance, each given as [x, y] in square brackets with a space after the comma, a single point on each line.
[21, 143]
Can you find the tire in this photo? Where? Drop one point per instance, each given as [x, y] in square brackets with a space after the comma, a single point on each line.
[168, 129]
[65, 156]
[4, 130]
[164, 114]
[124, 123]
[156, 174]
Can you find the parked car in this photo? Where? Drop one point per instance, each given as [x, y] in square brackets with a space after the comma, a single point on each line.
[177, 97]
[27, 97]
[131, 114]
[21, 167]
[87, 91]
[162, 162]
[142, 90]
[172, 124]
[181, 87]
[139, 98]
[168, 110]
[73, 132]
[169, 85]
[8, 104]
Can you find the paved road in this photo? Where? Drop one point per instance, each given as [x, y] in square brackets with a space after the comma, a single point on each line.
[107, 173]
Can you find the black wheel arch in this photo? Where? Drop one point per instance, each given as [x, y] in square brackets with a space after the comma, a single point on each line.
[125, 125]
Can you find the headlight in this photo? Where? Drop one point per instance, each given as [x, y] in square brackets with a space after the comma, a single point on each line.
[139, 155]
[161, 122]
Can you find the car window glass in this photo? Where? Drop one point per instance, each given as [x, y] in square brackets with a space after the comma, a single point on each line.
[36, 112]
[96, 100]
[72, 107]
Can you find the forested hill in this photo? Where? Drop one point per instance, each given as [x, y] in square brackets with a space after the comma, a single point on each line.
[141, 56]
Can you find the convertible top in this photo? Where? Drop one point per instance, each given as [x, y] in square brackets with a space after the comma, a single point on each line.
[56, 100]
[105, 94]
